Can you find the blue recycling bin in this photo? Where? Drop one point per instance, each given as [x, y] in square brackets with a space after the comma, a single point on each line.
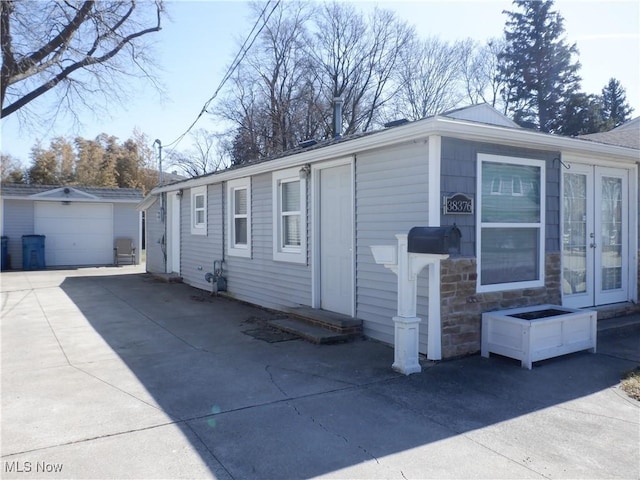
[33, 252]
[4, 256]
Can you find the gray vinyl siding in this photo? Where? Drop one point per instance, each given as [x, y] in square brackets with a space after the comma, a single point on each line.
[458, 174]
[154, 233]
[18, 218]
[260, 279]
[198, 252]
[126, 224]
[391, 197]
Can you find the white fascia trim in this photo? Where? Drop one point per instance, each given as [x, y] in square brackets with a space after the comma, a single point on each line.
[443, 126]
[71, 200]
[434, 146]
[147, 202]
[61, 189]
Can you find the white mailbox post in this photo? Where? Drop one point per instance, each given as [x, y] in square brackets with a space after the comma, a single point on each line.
[406, 266]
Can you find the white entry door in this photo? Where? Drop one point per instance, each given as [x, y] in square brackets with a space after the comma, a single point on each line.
[173, 233]
[595, 236]
[336, 239]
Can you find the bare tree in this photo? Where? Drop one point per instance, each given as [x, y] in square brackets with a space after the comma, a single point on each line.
[357, 57]
[265, 100]
[480, 71]
[209, 154]
[11, 170]
[76, 49]
[428, 78]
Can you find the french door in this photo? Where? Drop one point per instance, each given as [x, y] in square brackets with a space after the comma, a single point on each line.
[595, 236]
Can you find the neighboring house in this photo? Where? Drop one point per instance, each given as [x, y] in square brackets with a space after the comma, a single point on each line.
[80, 224]
[545, 219]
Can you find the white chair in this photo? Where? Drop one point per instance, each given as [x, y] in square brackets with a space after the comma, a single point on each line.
[124, 249]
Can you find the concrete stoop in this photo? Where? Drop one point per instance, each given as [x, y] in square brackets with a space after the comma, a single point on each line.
[319, 326]
[618, 324]
[616, 310]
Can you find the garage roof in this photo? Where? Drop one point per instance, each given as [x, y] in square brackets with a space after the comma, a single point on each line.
[43, 192]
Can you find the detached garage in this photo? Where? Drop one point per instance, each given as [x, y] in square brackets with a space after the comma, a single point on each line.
[80, 224]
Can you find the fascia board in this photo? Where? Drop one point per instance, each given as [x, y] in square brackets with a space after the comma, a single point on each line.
[71, 200]
[445, 127]
[531, 139]
[382, 139]
[49, 193]
[146, 202]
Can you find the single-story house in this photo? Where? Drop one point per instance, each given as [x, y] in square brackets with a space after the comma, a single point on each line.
[79, 224]
[544, 219]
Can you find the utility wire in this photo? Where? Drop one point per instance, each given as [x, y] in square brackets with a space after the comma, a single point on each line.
[244, 49]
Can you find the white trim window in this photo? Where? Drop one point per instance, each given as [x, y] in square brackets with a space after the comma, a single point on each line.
[199, 211]
[510, 225]
[239, 217]
[289, 217]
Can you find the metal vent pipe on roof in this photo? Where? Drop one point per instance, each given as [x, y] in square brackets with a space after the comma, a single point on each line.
[337, 117]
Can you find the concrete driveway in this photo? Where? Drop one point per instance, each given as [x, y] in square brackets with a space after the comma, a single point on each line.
[108, 373]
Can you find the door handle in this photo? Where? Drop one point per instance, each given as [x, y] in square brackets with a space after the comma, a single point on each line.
[593, 245]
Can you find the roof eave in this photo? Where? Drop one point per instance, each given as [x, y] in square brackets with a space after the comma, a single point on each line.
[437, 125]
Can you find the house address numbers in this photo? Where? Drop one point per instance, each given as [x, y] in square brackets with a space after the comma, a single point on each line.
[457, 204]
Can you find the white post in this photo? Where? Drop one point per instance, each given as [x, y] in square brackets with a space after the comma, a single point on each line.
[407, 266]
[407, 325]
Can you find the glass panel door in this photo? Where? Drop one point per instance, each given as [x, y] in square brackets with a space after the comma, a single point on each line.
[577, 257]
[611, 216]
[594, 236]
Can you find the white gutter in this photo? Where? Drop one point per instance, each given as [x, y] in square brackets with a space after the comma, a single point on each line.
[443, 126]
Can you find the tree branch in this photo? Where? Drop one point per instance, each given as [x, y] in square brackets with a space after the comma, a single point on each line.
[85, 62]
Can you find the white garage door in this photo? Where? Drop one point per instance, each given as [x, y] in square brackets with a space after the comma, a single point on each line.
[76, 234]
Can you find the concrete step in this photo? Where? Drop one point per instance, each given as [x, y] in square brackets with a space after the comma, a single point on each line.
[335, 322]
[311, 332]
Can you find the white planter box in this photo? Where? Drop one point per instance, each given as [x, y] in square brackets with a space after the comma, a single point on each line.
[565, 330]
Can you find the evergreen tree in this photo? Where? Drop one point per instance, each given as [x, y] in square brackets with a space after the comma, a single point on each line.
[44, 167]
[582, 114]
[537, 65]
[65, 158]
[616, 110]
[89, 161]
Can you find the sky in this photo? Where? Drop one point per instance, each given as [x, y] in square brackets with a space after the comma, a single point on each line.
[201, 38]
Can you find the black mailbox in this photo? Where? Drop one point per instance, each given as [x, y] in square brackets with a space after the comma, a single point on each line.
[439, 240]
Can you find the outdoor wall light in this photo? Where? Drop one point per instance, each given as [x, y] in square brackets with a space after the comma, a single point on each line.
[179, 193]
[305, 171]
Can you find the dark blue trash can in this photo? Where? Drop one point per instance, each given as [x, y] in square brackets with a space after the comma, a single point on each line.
[33, 252]
[4, 256]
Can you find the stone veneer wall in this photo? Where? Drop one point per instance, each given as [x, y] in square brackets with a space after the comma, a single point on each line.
[462, 307]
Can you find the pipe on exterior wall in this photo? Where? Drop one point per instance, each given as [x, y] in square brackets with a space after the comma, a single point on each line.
[337, 117]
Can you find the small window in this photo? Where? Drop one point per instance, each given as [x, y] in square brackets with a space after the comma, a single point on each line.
[239, 211]
[289, 217]
[199, 211]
